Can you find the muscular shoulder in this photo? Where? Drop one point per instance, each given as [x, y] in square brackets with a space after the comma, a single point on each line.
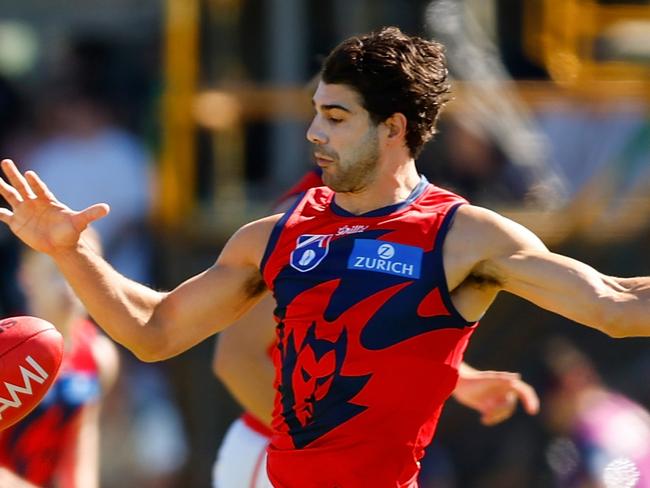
[478, 238]
[248, 244]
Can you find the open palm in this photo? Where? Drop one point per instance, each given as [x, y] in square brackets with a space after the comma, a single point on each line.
[37, 217]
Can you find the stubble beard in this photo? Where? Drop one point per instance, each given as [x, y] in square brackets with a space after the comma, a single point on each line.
[358, 170]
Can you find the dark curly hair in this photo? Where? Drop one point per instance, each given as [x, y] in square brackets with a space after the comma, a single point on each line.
[394, 72]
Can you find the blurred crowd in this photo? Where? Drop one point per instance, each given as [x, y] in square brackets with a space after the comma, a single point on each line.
[89, 127]
[77, 138]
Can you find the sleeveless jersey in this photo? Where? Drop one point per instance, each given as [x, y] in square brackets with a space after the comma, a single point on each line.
[37, 447]
[369, 342]
[311, 179]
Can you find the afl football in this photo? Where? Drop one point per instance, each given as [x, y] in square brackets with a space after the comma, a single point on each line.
[31, 351]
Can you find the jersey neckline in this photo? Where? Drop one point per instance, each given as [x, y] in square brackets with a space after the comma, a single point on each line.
[387, 210]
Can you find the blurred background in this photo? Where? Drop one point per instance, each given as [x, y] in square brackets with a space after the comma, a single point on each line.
[188, 118]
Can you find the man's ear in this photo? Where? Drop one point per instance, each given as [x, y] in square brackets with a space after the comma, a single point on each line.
[396, 125]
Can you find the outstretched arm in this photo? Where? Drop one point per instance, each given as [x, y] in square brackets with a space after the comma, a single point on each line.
[486, 253]
[154, 325]
[494, 394]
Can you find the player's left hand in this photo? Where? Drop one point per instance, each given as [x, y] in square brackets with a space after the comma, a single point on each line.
[494, 394]
[37, 218]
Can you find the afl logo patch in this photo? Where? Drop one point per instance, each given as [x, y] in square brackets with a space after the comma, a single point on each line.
[385, 257]
[310, 250]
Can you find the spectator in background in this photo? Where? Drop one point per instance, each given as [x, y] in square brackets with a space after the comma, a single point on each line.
[87, 154]
[603, 437]
[86, 157]
[58, 442]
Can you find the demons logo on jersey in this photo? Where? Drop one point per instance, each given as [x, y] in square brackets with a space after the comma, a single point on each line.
[319, 397]
[315, 395]
[363, 296]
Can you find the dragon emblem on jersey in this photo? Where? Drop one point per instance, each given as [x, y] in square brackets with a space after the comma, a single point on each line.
[310, 250]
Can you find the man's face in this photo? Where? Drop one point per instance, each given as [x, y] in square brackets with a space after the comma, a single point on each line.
[345, 140]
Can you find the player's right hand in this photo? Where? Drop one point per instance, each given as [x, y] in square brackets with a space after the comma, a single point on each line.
[37, 217]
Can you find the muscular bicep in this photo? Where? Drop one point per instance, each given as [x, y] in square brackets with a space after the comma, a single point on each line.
[217, 297]
[505, 256]
[477, 240]
[558, 284]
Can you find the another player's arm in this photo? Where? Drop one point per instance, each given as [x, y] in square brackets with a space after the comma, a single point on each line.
[486, 253]
[86, 452]
[80, 468]
[242, 363]
[154, 325]
[240, 359]
[494, 394]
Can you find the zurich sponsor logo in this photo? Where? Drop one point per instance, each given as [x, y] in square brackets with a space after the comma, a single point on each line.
[310, 251]
[384, 257]
[386, 251]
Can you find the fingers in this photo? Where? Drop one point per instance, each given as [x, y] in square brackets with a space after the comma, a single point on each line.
[527, 395]
[478, 374]
[500, 394]
[29, 186]
[522, 390]
[503, 411]
[500, 375]
[9, 193]
[16, 179]
[5, 215]
[38, 186]
[91, 214]
[504, 408]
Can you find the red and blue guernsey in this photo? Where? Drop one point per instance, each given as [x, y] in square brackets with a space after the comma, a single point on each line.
[369, 342]
[311, 179]
[40, 448]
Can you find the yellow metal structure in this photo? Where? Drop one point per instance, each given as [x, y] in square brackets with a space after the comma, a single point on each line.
[560, 34]
[565, 36]
[177, 165]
